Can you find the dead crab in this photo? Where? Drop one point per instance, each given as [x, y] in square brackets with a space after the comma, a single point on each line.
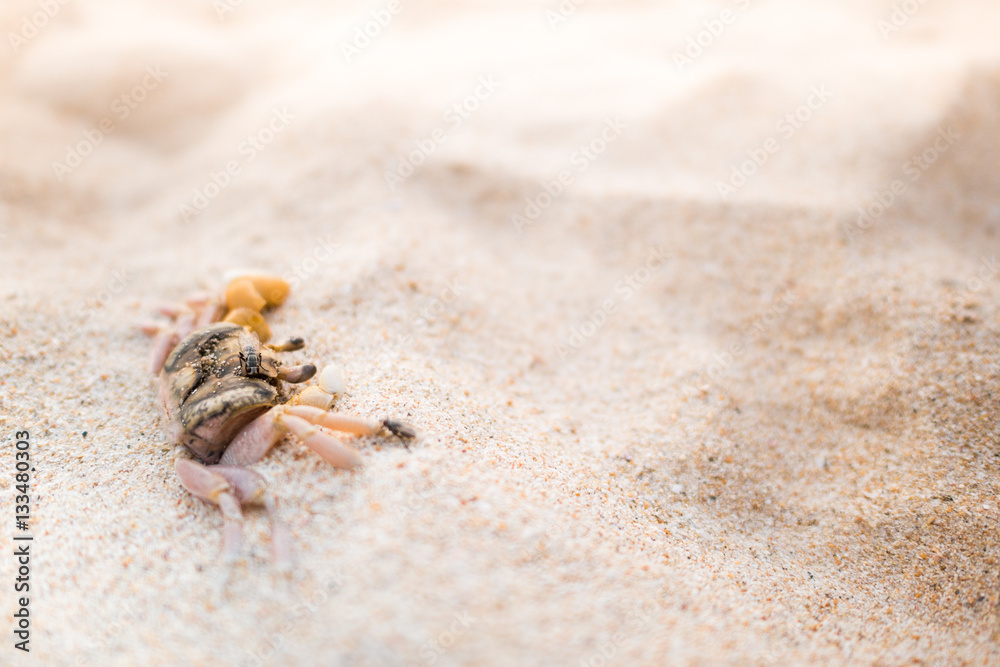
[222, 394]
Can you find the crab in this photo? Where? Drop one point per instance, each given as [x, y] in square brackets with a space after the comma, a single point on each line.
[223, 395]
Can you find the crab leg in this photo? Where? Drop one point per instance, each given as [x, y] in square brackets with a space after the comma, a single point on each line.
[251, 489]
[184, 322]
[281, 536]
[338, 421]
[302, 421]
[232, 487]
[254, 441]
[232, 530]
[335, 420]
[202, 482]
[296, 374]
[211, 312]
[165, 341]
[288, 344]
[328, 446]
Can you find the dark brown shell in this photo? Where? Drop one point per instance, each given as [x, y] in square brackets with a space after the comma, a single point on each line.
[206, 397]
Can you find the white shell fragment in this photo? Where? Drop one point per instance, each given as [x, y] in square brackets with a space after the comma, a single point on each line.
[331, 380]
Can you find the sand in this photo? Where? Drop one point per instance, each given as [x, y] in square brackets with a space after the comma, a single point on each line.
[695, 305]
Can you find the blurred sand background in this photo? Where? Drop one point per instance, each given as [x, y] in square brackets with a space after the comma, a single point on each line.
[777, 445]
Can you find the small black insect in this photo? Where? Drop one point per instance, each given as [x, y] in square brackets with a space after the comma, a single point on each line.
[250, 353]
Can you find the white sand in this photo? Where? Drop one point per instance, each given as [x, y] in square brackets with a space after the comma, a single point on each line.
[829, 494]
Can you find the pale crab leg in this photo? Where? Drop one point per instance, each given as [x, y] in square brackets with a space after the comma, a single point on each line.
[171, 310]
[251, 488]
[165, 341]
[254, 441]
[281, 536]
[211, 312]
[231, 487]
[232, 529]
[335, 420]
[197, 300]
[149, 327]
[167, 336]
[202, 482]
[185, 323]
[339, 421]
[328, 446]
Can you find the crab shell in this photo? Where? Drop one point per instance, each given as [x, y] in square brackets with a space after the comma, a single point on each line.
[207, 399]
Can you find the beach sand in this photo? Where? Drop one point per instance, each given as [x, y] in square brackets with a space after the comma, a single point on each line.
[695, 305]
